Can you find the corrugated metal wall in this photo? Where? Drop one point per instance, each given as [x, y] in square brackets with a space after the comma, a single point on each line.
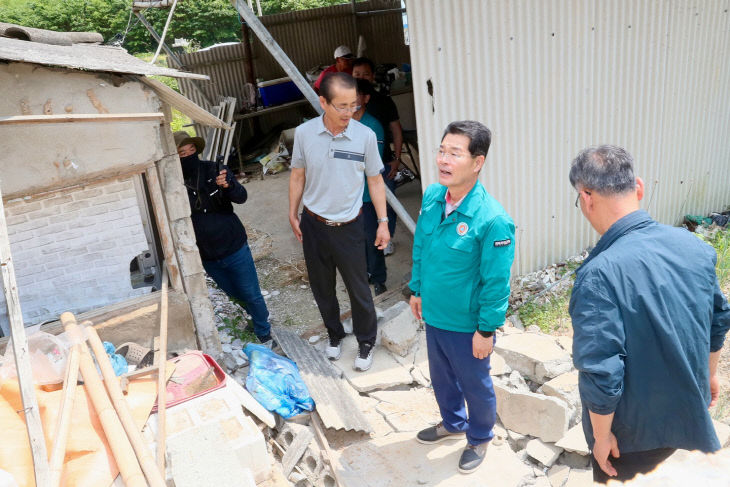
[551, 77]
[309, 37]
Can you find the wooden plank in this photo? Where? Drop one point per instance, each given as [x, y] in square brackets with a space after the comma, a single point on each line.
[163, 227]
[22, 358]
[334, 397]
[183, 104]
[82, 117]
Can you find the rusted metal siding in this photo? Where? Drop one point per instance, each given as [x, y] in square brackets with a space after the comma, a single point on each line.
[552, 77]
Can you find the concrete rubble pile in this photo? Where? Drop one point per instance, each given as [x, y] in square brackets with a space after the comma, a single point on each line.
[538, 437]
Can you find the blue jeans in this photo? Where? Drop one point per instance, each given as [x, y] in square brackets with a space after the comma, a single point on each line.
[456, 375]
[236, 275]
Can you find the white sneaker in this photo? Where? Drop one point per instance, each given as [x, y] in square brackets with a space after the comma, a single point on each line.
[389, 249]
[364, 359]
[334, 349]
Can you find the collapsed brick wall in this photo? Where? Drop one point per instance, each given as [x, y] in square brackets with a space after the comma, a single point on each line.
[72, 249]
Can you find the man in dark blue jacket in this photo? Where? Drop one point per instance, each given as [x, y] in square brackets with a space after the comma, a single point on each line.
[649, 321]
[219, 233]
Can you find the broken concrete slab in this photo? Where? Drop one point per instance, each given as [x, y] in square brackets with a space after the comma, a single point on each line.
[517, 441]
[532, 414]
[498, 364]
[385, 373]
[566, 343]
[537, 356]
[558, 475]
[580, 478]
[399, 330]
[545, 453]
[565, 387]
[196, 458]
[399, 460]
[517, 382]
[368, 407]
[574, 441]
[723, 432]
[408, 410]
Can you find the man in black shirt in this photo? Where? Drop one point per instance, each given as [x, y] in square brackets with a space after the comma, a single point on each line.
[220, 235]
[384, 110]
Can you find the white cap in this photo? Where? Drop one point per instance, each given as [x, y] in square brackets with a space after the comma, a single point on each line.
[343, 51]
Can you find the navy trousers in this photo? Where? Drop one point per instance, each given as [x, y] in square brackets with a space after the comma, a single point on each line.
[236, 276]
[457, 376]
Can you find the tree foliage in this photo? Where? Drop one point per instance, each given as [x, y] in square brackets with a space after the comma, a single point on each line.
[206, 22]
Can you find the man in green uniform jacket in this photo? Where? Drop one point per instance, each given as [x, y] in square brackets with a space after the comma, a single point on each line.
[462, 254]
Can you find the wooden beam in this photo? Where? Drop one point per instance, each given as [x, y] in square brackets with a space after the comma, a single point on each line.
[22, 358]
[163, 227]
[82, 117]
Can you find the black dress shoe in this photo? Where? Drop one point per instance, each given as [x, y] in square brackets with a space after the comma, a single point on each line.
[379, 288]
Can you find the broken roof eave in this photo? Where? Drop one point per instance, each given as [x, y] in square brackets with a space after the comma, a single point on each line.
[90, 57]
[183, 104]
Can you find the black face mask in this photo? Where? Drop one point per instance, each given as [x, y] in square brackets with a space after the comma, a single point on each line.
[189, 164]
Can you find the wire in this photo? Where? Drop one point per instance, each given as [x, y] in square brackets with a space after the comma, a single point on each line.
[164, 32]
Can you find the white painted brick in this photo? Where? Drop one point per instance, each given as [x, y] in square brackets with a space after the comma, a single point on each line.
[57, 200]
[23, 207]
[16, 219]
[87, 194]
[76, 205]
[72, 251]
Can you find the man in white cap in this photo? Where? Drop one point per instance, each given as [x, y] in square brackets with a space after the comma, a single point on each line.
[343, 63]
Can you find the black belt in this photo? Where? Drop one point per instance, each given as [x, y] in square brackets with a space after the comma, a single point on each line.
[330, 223]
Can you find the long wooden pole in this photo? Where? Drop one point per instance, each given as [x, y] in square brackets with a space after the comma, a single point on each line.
[162, 379]
[113, 430]
[58, 452]
[22, 358]
[144, 455]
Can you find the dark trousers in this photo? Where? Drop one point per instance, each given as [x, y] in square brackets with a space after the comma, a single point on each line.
[327, 249]
[456, 376]
[374, 256]
[628, 465]
[236, 276]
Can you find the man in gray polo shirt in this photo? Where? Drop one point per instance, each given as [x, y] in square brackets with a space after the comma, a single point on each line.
[331, 155]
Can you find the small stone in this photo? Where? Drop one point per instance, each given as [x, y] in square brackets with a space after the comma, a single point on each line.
[230, 363]
[558, 474]
[533, 329]
[226, 347]
[275, 293]
[303, 286]
[239, 361]
[267, 297]
[237, 344]
[314, 339]
[516, 322]
[264, 292]
[574, 441]
[545, 453]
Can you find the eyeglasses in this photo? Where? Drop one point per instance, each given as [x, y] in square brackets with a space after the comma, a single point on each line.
[577, 198]
[449, 156]
[354, 109]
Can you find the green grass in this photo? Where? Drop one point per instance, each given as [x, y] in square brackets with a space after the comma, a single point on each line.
[550, 315]
[721, 242]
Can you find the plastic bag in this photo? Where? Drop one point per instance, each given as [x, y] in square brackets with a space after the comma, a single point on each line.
[47, 359]
[119, 363]
[275, 382]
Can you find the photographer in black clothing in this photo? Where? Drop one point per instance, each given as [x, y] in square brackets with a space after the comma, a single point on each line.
[219, 233]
